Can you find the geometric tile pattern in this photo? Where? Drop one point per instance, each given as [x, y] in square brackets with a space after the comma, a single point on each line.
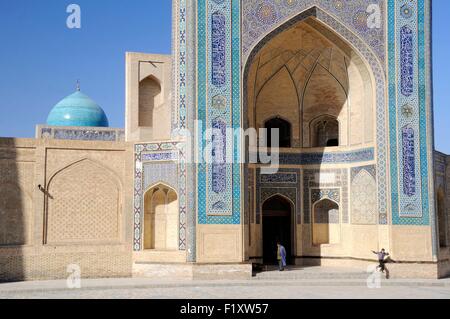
[355, 156]
[179, 115]
[324, 203]
[165, 172]
[335, 189]
[260, 17]
[408, 113]
[159, 163]
[364, 196]
[286, 183]
[184, 73]
[333, 194]
[218, 107]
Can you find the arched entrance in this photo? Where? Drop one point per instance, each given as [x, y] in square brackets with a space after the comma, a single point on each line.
[310, 71]
[277, 226]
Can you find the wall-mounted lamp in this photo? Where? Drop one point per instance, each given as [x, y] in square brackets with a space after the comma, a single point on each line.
[43, 190]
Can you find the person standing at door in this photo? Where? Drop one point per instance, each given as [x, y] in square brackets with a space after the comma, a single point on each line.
[281, 256]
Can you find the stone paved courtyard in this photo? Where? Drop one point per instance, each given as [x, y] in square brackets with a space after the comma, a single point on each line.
[313, 284]
[249, 291]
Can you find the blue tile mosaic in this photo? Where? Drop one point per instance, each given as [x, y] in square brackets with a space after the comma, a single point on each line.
[409, 162]
[218, 81]
[218, 46]
[407, 60]
[159, 163]
[364, 155]
[408, 112]
[286, 182]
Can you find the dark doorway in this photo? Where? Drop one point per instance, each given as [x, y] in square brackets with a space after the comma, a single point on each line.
[333, 143]
[277, 225]
[325, 132]
[284, 128]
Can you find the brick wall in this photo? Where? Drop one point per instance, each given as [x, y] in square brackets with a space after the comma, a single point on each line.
[80, 215]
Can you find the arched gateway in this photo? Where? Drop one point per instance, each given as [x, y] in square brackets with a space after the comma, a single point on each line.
[336, 79]
[277, 228]
[310, 70]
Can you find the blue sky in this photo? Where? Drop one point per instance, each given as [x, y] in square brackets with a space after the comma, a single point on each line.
[41, 59]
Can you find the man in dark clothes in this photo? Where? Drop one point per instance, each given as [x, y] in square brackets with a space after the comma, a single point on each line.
[381, 259]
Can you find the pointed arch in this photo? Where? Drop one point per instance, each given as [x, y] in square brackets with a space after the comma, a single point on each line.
[323, 17]
[83, 205]
[325, 198]
[326, 222]
[285, 103]
[149, 93]
[324, 131]
[85, 160]
[364, 199]
[161, 218]
[371, 71]
[162, 184]
[278, 227]
[285, 131]
[284, 197]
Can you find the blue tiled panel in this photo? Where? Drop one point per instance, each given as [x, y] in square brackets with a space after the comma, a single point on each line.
[219, 151]
[409, 161]
[262, 16]
[159, 163]
[218, 49]
[218, 80]
[407, 60]
[408, 113]
[364, 155]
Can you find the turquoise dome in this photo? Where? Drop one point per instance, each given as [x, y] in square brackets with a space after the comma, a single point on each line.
[77, 110]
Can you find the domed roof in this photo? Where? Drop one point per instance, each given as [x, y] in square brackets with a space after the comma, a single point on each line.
[77, 110]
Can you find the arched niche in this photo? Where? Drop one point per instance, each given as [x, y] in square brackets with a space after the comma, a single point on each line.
[324, 131]
[326, 223]
[149, 99]
[284, 129]
[161, 218]
[83, 205]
